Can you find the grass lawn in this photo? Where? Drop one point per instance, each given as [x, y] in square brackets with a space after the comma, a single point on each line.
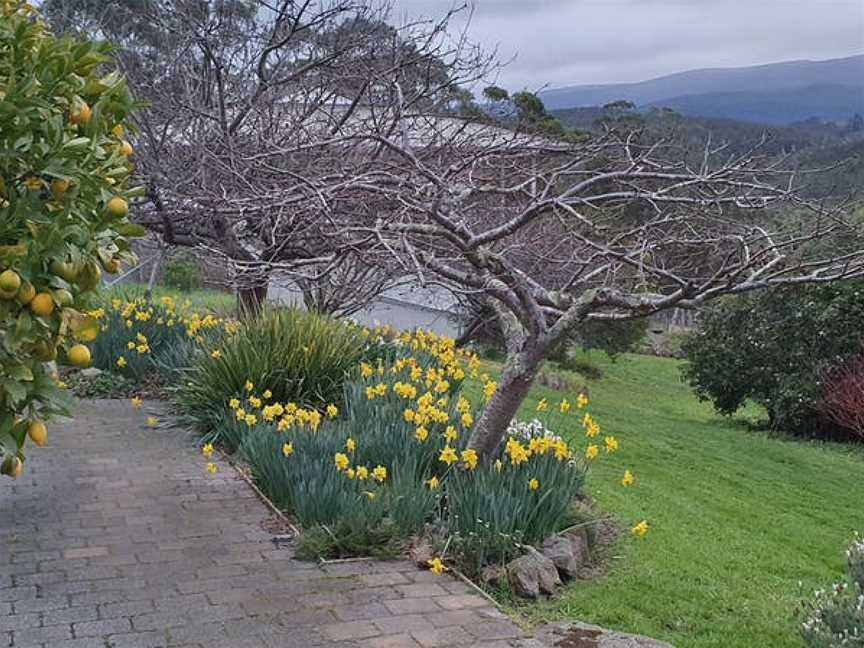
[738, 518]
[203, 299]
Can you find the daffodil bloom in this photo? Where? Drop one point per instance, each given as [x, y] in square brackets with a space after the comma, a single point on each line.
[211, 468]
[436, 566]
[592, 451]
[254, 401]
[611, 444]
[628, 479]
[207, 450]
[409, 415]
[341, 460]
[350, 473]
[433, 483]
[216, 354]
[249, 386]
[533, 484]
[152, 421]
[332, 411]
[470, 458]
[250, 419]
[365, 370]
[267, 394]
[130, 345]
[448, 455]
[499, 465]
[581, 401]
[450, 434]
[421, 434]
[564, 406]
[369, 494]
[467, 420]
[640, 529]
[543, 405]
[234, 403]
[240, 413]
[137, 402]
[489, 390]
[380, 473]
[121, 362]
[362, 473]
[287, 449]
[350, 445]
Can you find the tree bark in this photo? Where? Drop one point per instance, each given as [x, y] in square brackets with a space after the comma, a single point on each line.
[250, 299]
[516, 381]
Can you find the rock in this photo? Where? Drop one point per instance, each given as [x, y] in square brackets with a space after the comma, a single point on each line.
[91, 372]
[531, 574]
[565, 552]
[421, 553]
[493, 575]
[583, 635]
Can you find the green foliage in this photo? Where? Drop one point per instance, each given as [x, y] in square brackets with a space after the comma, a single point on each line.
[491, 511]
[835, 617]
[612, 337]
[772, 347]
[61, 120]
[300, 357]
[182, 273]
[104, 385]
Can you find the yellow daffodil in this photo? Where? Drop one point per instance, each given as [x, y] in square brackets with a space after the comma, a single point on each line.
[332, 411]
[543, 405]
[433, 483]
[362, 473]
[489, 390]
[592, 451]
[234, 403]
[341, 460]
[249, 386]
[211, 468]
[207, 450]
[564, 406]
[350, 445]
[152, 421]
[448, 455]
[287, 449]
[611, 444]
[267, 394]
[380, 473]
[216, 354]
[436, 566]
[421, 434]
[137, 402]
[533, 484]
[470, 458]
[581, 401]
[121, 362]
[450, 434]
[641, 529]
[628, 478]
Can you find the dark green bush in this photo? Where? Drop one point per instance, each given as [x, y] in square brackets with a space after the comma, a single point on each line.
[182, 273]
[299, 357]
[772, 348]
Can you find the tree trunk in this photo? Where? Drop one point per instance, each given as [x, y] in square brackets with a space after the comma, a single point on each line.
[516, 381]
[250, 299]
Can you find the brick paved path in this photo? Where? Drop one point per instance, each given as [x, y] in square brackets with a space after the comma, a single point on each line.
[116, 537]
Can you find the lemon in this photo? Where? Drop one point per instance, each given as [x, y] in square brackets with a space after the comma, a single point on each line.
[26, 293]
[38, 433]
[42, 304]
[64, 298]
[126, 149]
[118, 130]
[64, 269]
[82, 116]
[18, 469]
[59, 187]
[10, 282]
[111, 266]
[79, 355]
[117, 207]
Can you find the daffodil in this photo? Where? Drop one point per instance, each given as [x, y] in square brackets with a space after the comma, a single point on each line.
[380, 473]
[533, 484]
[362, 473]
[421, 433]
[436, 566]
[332, 411]
[433, 483]
[341, 460]
[470, 458]
[628, 478]
[152, 421]
[581, 401]
[287, 449]
[216, 354]
[592, 451]
[448, 455]
[211, 468]
[207, 450]
[611, 444]
[641, 529]
[137, 402]
[121, 362]
[350, 445]
[564, 406]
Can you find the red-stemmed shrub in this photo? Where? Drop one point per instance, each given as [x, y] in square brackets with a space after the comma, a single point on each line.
[843, 395]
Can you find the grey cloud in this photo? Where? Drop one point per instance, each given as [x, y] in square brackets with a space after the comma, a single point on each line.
[564, 42]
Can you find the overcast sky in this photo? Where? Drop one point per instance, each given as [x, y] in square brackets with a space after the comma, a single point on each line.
[571, 42]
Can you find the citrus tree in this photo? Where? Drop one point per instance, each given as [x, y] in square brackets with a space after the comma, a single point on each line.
[64, 166]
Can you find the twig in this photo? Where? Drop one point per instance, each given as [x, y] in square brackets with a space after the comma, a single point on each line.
[475, 587]
[267, 501]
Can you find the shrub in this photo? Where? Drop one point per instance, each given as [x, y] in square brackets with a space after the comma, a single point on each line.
[182, 273]
[772, 348]
[63, 208]
[843, 395]
[297, 356]
[835, 617]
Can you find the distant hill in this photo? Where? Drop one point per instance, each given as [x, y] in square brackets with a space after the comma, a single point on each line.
[778, 93]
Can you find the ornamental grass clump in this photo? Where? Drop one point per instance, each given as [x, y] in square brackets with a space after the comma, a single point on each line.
[834, 617]
[300, 357]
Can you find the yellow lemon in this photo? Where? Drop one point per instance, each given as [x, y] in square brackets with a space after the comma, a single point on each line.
[64, 298]
[64, 269]
[26, 293]
[42, 304]
[82, 115]
[10, 282]
[79, 355]
[111, 266]
[38, 433]
[117, 207]
[125, 149]
[59, 187]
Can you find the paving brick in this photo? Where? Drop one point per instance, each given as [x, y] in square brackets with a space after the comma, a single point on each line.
[391, 641]
[85, 552]
[101, 628]
[403, 624]
[49, 635]
[350, 630]
[439, 637]
[422, 589]
[420, 605]
[461, 601]
[69, 615]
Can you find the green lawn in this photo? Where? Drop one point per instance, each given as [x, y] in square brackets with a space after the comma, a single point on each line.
[203, 299]
[737, 518]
